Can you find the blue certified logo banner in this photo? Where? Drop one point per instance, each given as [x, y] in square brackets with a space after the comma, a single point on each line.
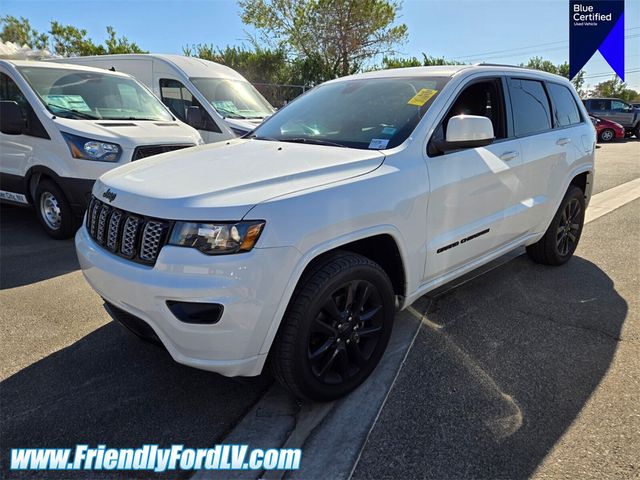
[596, 25]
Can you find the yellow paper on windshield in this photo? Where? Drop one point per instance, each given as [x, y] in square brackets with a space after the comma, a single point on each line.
[422, 97]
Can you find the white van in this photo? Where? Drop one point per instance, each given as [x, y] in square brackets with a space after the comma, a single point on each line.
[213, 98]
[62, 126]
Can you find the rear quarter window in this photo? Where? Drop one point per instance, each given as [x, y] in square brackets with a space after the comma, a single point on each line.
[565, 109]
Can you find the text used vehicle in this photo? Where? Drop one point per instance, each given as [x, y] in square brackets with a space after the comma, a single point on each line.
[296, 246]
[62, 126]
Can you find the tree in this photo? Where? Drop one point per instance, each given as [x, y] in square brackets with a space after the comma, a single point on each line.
[427, 61]
[562, 69]
[615, 88]
[63, 40]
[342, 34]
[20, 32]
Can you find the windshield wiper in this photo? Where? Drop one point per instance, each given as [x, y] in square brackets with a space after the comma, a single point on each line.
[313, 141]
[75, 112]
[231, 114]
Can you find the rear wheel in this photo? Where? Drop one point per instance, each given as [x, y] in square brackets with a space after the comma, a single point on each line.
[54, 211]
[562, 236]
[607, 135]
[336, 328]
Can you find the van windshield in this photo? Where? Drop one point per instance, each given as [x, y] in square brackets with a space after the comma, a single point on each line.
[366, 113]
[92, 95]
[233, 98]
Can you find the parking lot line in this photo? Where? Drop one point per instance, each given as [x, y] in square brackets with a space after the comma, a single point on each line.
[607, 201]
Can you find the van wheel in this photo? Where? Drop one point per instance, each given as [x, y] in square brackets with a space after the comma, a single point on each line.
[607, 135]
[336, 328]
[562, 236]
[54, 211]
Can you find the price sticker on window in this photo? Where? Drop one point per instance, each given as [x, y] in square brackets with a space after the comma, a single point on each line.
[422, 97]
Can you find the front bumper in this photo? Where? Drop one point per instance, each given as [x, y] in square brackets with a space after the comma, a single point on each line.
[250, 286]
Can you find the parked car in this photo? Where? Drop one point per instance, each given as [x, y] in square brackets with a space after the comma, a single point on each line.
[62, 126]
[636, 105]
[213, 98]
[366, 191]
[615, 110]
[607, 130]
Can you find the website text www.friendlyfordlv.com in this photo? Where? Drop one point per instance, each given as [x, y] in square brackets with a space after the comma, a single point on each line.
[154, 458]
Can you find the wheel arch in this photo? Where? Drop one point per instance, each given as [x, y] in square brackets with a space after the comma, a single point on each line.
[34, 175]
[362, 242]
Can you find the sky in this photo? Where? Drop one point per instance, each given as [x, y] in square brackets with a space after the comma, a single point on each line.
[497, 31]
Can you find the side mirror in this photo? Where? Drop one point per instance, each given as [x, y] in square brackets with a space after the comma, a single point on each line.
[467, 131]
[195, 118]
[11, 119]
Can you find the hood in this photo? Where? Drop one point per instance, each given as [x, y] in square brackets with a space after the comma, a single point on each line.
[131, 133]
[223, 181]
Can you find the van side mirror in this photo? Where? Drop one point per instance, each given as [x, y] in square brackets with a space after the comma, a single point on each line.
[467, 131]
[195, 118]
[11, 119]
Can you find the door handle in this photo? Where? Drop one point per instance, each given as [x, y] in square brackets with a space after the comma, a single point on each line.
[507, 156]
[563, 141]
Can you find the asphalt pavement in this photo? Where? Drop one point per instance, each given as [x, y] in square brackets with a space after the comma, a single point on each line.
[526, 371]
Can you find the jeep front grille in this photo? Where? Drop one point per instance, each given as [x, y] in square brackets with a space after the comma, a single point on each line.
[126, 234]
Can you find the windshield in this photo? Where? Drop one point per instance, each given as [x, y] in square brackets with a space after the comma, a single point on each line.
[92, 95]
[233, 98]
[370, 113]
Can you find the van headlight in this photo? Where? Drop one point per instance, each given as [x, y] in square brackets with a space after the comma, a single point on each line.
[217, 238]
[89, 149]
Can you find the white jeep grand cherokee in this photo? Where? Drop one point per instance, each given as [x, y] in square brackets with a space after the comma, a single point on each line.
[294, 244]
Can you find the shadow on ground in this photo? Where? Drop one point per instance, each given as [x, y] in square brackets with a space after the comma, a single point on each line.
[112, 389]
[27, 253]
[502, 369]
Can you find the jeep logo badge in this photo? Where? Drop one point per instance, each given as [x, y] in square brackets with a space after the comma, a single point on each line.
[109, 195]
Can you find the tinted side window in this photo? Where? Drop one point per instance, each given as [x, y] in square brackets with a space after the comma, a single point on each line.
[600, 105]
[618, 106]
[178, 98]
[565, 110]
[530, 106]
[10, 91]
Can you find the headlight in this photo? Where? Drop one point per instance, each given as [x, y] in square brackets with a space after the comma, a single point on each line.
[88, 149]
[217, 238]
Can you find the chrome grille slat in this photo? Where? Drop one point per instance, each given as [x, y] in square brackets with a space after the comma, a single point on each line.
[151, 237]
[126, 234]
[114, 227]
[129, 236]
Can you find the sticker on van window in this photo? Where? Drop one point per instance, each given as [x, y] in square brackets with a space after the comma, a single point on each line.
[388, 131]
[73, 102]
[378, 143]
[422, 97]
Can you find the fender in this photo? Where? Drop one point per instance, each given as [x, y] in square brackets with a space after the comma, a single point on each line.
[36, 172]
[314, 253]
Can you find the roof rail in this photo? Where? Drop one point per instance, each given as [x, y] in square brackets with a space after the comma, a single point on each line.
[483, 64]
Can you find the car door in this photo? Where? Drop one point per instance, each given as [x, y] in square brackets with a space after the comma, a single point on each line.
[17, 150]
[178, 98]
[548, 146]
[621, 112]
[473, 190]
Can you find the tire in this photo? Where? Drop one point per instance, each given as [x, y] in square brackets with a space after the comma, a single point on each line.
[54, 211]
[561, 238]
[321, 351]
[607, 135]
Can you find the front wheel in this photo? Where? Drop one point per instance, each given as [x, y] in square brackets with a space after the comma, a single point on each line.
[561, 238]
[54, 211]
[336, 328]
[607, 135]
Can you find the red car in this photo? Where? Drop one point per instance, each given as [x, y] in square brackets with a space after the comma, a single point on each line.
[607, 130]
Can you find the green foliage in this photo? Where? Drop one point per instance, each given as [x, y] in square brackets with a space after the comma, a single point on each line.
[615, 88]
[19, 31]
[427, 61]
[339, 35]
[64, 40]
[562, 69]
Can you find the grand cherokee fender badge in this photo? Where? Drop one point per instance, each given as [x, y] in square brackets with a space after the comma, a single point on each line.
[109, 195]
